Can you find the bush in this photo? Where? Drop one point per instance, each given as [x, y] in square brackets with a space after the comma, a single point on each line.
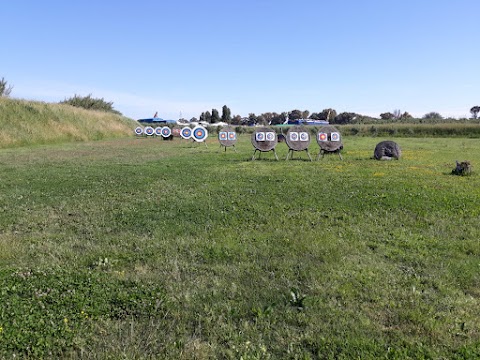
[90, 103]
[5, 89]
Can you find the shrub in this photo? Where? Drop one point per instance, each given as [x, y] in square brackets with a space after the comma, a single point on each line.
[5, 89]
[90, 103]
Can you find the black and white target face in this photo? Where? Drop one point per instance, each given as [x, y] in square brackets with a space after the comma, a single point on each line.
[186, 133]
[199, 133]
[149, 131]
[166, 132]
[138, 130]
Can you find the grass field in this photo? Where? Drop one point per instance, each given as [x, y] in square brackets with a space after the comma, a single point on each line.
[142, 248]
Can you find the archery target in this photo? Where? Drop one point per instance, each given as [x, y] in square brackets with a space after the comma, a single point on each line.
[297, 138]
[264, 139]
[186, 133]
[200, 133]
[158, 131]
[138, 130]
[222, 135]
[270, 136]
[335, 136]
[149, 131]
[260, 136]
[166, 131]
[329, 139]
[227, 136]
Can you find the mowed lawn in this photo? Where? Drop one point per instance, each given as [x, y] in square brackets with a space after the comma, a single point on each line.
[142, 248]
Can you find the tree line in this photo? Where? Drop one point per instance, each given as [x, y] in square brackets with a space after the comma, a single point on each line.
[329, 114]
[268, 118]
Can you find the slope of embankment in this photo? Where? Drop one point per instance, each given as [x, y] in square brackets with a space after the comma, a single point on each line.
[25, 122]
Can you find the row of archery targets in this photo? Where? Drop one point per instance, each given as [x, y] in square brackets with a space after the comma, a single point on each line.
[264, 139]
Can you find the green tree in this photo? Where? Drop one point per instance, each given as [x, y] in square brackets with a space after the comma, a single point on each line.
[5, 89]
[236, 120]
[226, 114]
[252, 119]
[474, 111]
[344, 118]
[326, 114]
[387, 116]
[207, 117]
[215, 116]
[432, 115]
[295, 115]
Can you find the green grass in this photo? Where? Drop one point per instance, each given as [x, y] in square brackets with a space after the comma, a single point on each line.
[142, 248]
[25, 123]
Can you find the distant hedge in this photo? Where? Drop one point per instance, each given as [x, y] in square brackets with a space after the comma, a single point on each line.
[463, 129]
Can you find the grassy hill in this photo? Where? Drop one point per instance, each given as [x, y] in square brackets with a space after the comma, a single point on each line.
[28, 123]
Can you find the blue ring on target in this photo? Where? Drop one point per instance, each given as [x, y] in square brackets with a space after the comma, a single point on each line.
[186, 133]
[199, 133]
[166, 131]
[149, 131]
[158, 131]
[138, 130]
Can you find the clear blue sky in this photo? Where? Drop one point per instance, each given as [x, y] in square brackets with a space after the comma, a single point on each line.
[255, 56]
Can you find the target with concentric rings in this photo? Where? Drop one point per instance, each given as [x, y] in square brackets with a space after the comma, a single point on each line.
[166, 131]
[186, 133]
[200, 133]
[149, 131]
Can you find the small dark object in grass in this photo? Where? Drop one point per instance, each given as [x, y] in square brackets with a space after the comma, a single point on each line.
[387, 150]
[281, 138]
[462, 169]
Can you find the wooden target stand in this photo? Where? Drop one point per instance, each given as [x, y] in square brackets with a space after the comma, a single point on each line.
[227, 137]
[330, 141]
[264, 139]
[297, 139]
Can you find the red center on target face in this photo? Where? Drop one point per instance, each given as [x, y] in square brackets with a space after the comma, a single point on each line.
[322, 137]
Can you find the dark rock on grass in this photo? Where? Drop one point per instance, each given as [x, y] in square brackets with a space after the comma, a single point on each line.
[387, 150]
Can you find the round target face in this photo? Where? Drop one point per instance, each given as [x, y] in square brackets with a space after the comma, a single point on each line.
[200, 133]
[166, 131]
[294, 136]
[158, 131]
[335, 136]
[260, 136]
[149, 131]
[186, 133]
[138, 130]
[303, 136]
[270, 136]
[222, 135]
[322, 136]
[232, 135]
